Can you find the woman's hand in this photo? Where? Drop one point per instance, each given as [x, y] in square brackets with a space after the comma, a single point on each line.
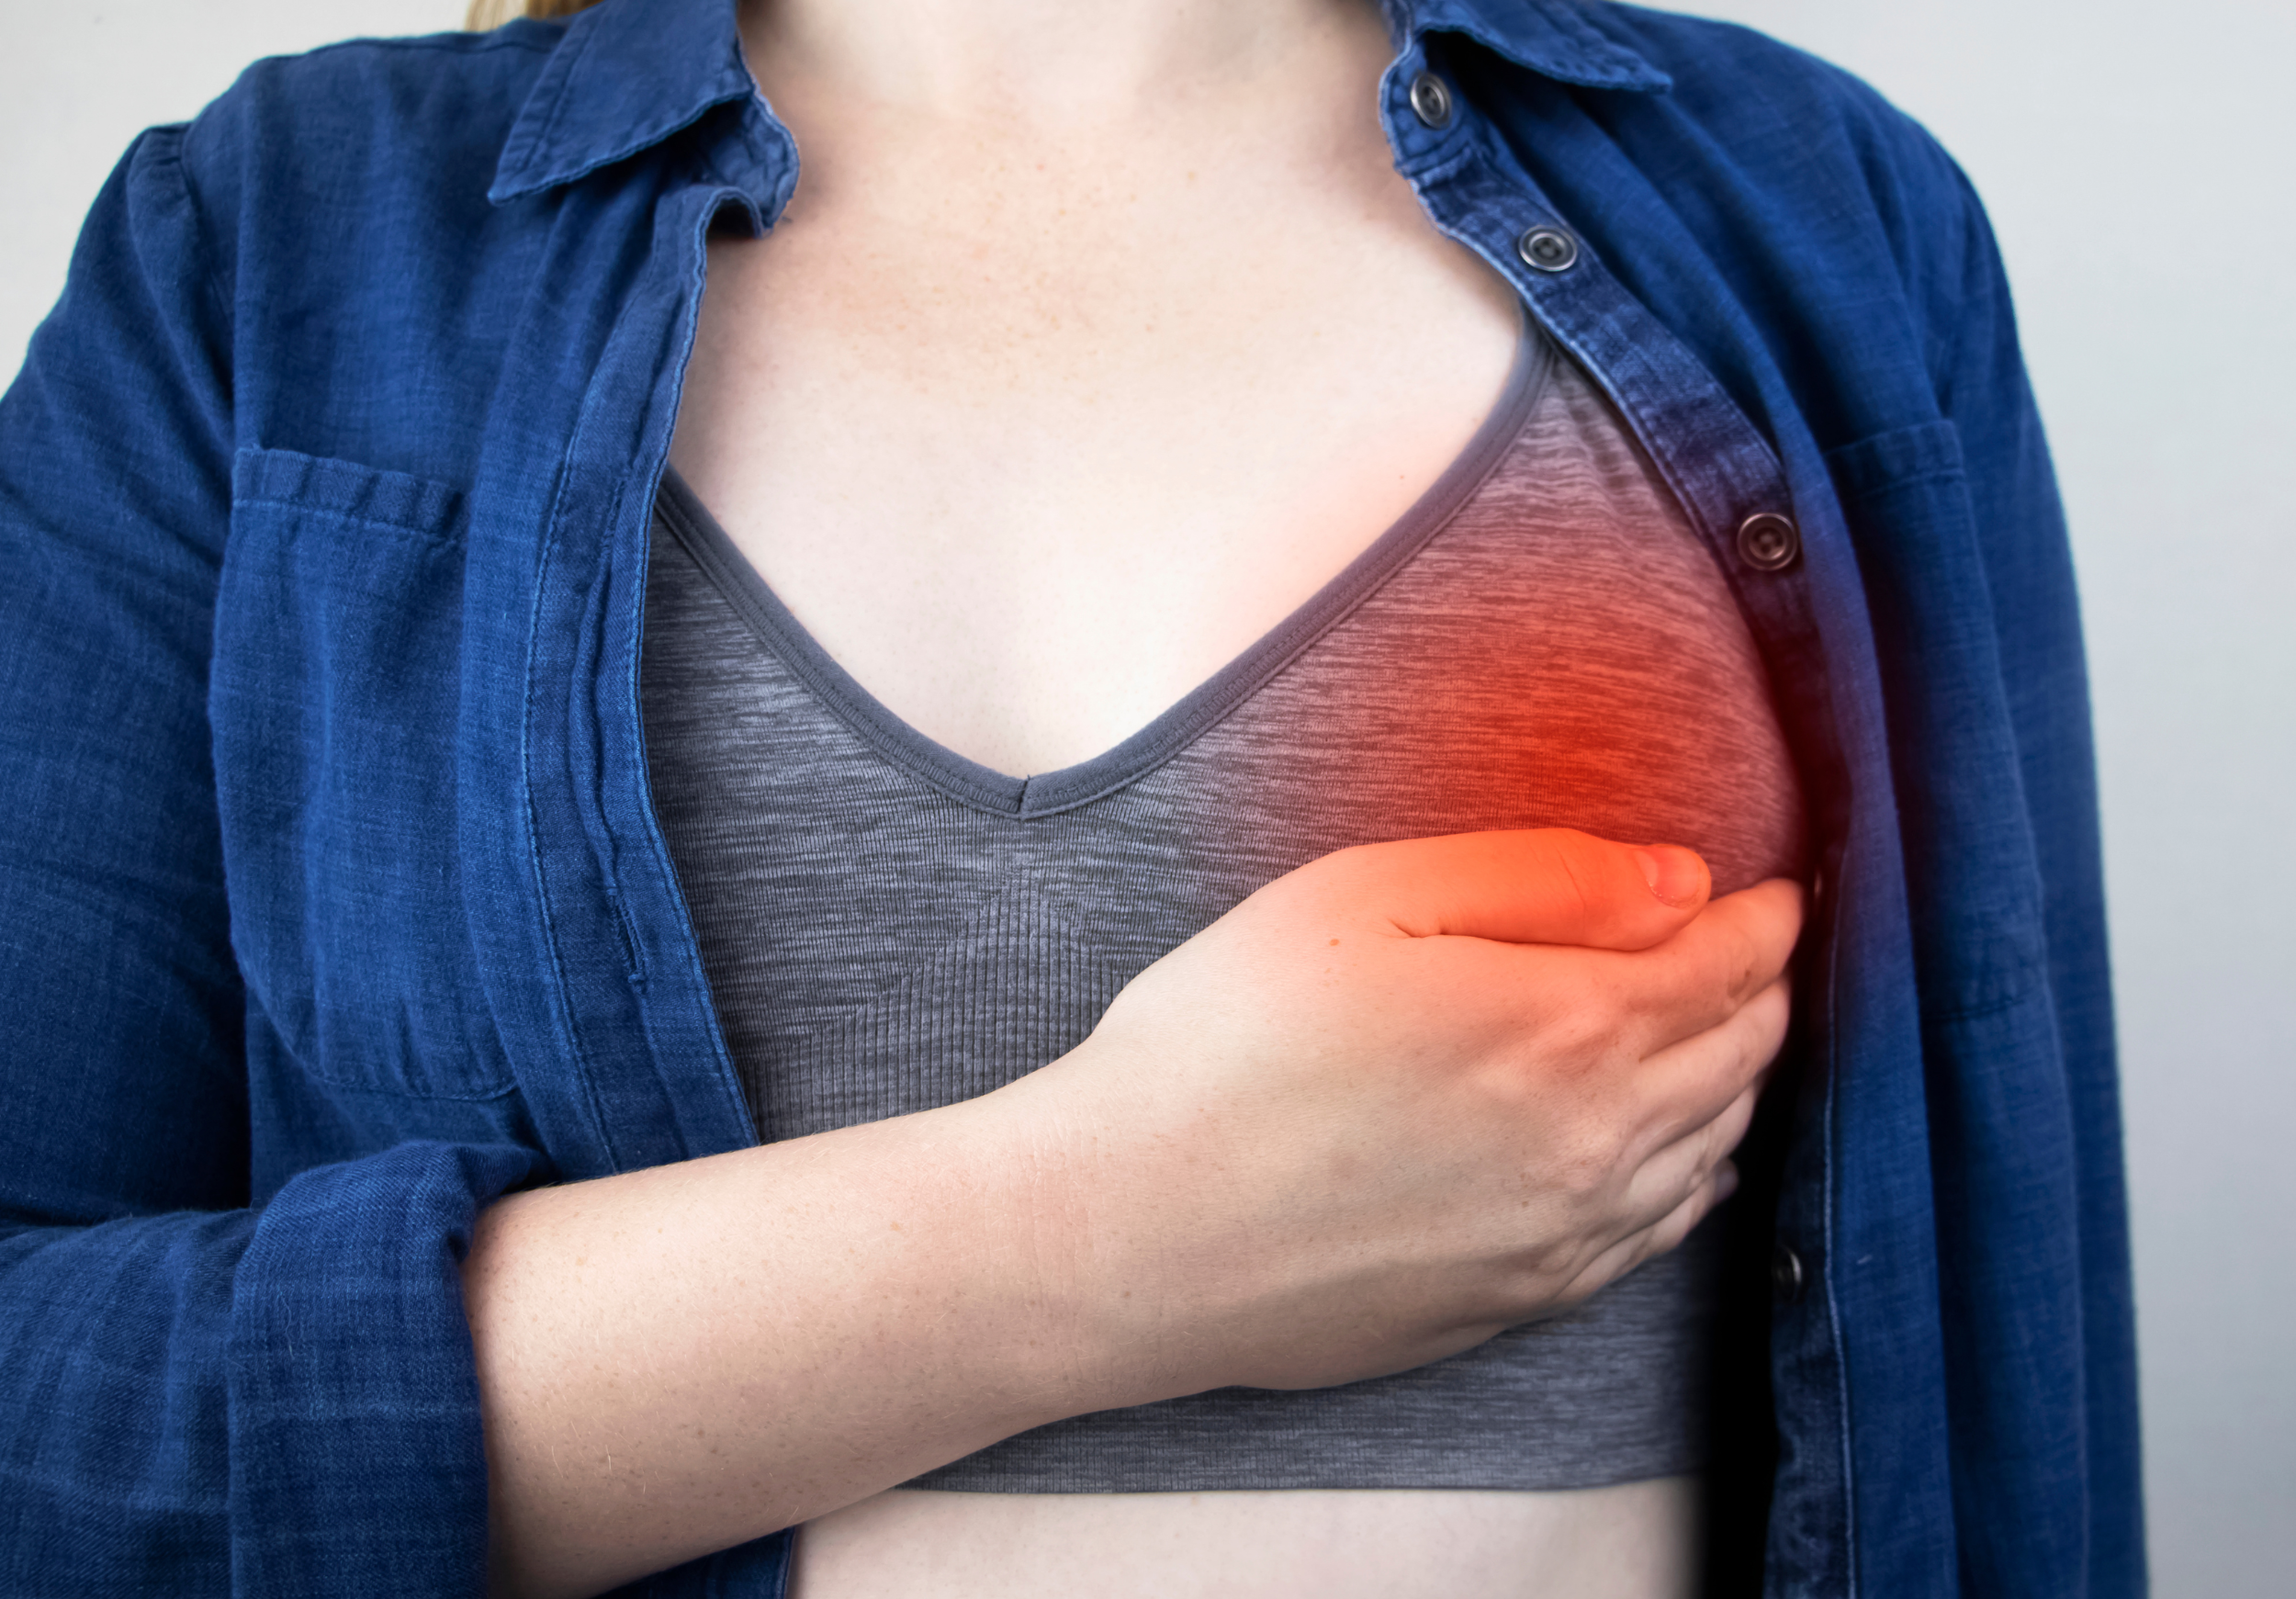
[1378, 1113]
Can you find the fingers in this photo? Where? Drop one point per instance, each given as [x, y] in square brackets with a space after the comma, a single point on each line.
[1546, 885]
[1666, 1232]
[1686, 1086]
[1744, 940]
[1677, 1166]
[1674, 1188]
[1709, 971]
[1696, 1098]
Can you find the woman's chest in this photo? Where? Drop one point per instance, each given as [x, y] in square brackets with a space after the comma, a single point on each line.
[1033, 481]
[889, 927]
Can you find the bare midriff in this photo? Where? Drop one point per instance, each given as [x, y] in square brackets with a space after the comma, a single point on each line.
[1112, 407]
[1636, 1540]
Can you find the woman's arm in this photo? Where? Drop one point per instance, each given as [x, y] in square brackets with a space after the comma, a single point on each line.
[205, 1385]
[1327, 1139]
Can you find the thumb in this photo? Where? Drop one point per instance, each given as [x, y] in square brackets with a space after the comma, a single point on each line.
[1544, 885]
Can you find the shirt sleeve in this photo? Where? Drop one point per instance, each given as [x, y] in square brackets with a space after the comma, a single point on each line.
[2031, 1213]
[2027, 554]
[197, 1394]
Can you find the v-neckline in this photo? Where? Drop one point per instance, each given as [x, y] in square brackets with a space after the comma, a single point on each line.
[1196, 713]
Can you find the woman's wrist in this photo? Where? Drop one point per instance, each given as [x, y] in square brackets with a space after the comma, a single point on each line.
[1051, 1248]
[998, 1192]
[1086, 1199]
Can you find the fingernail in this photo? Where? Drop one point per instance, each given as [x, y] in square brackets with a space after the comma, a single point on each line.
[1673, 876]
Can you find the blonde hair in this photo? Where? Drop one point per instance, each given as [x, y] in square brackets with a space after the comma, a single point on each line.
[485, 14]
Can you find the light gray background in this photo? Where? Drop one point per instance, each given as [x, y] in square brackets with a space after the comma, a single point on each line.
[2141, 174]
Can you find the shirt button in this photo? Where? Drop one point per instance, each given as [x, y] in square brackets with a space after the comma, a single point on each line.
[1768, 542]
[1431, 99]
[1786, 1275]
[1549, 249]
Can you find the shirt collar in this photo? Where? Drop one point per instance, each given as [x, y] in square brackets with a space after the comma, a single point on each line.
[631, 72]
[627, 75]
[1557, 38]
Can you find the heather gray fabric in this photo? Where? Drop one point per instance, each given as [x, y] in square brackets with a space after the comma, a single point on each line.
[887, 928]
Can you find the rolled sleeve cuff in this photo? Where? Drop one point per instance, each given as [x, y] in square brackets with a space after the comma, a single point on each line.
[357, 1462]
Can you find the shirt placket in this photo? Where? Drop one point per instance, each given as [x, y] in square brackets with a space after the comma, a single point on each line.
[1733, 489]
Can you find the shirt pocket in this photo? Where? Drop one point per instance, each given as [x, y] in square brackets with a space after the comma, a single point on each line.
[335, 700]
[1970, 858]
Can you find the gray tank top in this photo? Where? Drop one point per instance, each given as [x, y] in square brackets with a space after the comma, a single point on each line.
[887, 927]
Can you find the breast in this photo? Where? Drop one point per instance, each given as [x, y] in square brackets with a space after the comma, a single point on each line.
[1565, 653]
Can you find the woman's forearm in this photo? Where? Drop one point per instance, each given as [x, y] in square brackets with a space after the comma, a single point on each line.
[676, 1360]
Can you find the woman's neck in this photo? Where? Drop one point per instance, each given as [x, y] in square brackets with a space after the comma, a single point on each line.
[1051, 66]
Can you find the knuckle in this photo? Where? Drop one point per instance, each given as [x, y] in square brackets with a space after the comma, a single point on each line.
[1744, 960]
[1761, 1029]
[1535, 1270]
[1577, 1041]
[1577, 866]
[1589, 1157]
[1716, 1141]
[1550, 1281]
[1668, 1234]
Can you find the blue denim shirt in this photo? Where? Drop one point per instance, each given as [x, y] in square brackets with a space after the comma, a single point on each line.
[332, 906]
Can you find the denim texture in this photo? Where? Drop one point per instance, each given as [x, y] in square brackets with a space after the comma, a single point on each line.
[333, 905]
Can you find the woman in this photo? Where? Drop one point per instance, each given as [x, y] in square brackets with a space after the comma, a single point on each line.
[547, 688]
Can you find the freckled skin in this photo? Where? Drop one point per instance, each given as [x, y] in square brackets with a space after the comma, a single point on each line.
[1108, 423]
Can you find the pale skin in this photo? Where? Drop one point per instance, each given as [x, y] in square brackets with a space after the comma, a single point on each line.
[1111, 401]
